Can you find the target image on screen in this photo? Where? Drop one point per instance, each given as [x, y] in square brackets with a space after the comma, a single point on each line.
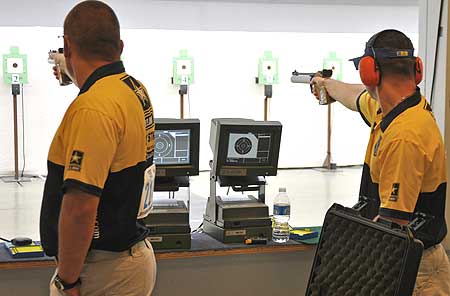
[172, 147]
[248, 148]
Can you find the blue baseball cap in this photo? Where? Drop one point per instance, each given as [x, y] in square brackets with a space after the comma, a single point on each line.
[383, 53]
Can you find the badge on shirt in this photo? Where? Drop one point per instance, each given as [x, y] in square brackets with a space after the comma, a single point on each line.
[394, 192]
[76, 160]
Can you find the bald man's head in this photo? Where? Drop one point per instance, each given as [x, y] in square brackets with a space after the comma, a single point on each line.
[93, 27]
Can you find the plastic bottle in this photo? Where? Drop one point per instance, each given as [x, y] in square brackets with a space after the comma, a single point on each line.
[281, 215]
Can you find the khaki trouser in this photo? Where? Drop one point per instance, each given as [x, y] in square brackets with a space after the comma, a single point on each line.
[128, 273]
[433, 278]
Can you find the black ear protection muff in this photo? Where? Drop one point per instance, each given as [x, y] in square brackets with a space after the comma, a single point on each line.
[369, 70]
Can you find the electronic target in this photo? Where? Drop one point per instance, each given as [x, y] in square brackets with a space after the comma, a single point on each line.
[164, 145]
[172, 146]
[242, 146]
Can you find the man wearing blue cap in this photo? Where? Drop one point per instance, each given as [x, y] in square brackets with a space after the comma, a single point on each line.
[404, 169]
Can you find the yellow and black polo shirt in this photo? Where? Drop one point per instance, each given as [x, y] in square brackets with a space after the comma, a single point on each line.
[102, 146]
[405, 165]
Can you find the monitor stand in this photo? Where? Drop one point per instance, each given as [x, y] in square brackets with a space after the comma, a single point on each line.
[168, 221]
[234, 218]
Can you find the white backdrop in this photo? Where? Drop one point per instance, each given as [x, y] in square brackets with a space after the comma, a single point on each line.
[225, 64]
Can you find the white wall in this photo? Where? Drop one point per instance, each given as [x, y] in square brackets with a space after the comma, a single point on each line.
[429, 22]
[256, 15]
[44, 102]
[225, 62]
[429, 19]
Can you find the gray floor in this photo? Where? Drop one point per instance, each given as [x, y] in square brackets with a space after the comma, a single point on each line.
[311, 191]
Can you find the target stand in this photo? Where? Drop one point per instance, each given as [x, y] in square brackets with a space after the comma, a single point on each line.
[234, 218]
[16, 178]
[244, 153]
[176, 157]
[15, 74]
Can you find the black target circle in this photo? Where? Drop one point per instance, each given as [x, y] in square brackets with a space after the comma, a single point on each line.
[243, 145]
[164, 145]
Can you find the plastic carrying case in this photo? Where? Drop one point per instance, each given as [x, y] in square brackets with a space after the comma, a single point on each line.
[358, 257]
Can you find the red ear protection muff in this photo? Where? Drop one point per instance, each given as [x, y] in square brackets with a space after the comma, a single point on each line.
[368, 71]
[370, 75]
[419, 70]
[368, 67]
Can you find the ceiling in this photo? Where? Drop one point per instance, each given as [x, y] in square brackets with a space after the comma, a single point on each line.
[317, 2]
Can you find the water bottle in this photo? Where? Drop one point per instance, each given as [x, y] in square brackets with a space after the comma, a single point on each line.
[281, 215]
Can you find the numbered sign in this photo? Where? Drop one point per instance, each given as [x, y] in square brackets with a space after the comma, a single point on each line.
[15, 79]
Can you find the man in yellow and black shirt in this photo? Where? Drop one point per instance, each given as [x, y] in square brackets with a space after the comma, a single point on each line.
[404, 169]
[96, 167]
[405, 163]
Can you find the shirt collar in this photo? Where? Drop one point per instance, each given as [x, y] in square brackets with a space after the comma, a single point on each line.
[409, 102]
[103, 71]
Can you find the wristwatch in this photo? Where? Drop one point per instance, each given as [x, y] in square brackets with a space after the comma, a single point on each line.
[62, 286]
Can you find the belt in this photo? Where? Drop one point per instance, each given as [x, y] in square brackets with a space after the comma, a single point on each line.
[431, 247]
[101, 255]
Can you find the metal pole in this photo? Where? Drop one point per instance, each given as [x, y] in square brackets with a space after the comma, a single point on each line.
[266, 108]
[329, 137]
[16, 144]
[181, 106]
[327, 162]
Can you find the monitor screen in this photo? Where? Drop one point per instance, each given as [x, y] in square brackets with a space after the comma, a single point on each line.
[245, 147]
[251, 148]
[177, 143]
[172, 147]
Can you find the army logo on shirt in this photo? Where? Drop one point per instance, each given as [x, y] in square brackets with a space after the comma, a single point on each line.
[141, 94]
[139, 90]
[76, 160]
[394, 192]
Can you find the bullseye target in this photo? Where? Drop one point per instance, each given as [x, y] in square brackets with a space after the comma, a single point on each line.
[164, 145]
[243, 145]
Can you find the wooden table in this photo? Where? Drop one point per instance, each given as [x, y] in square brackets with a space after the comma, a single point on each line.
[208, 268]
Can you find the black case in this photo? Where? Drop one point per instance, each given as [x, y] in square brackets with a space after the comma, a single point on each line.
[358, 257]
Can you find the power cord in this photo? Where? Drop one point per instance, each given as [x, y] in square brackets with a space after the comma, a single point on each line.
[23, 135]
[189, 103]
[199, 229]
[5, 240]
[18, 241]
[436, 52]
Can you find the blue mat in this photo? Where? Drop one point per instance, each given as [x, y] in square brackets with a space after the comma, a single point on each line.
[5, 256]
[310, 241]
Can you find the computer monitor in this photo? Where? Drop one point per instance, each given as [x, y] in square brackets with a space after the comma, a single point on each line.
[177, 144]
[244, 147]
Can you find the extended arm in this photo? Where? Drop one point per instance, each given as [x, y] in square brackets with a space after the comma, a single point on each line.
[345, 93]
